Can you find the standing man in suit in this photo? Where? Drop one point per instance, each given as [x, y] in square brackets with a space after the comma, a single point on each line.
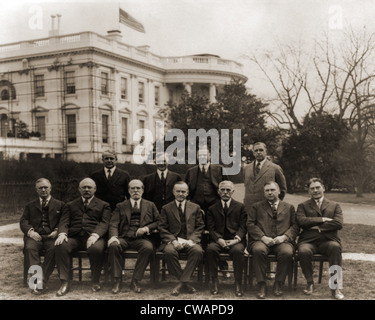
[257, 173]
[203, 181]
[131, 224]
[39, 223]
[159, 185]
[272, 229]
[320, 220]
[83, 226]
[181, 226]
[111, 182]
[226, 222]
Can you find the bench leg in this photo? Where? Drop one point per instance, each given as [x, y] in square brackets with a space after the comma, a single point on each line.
[320, 271]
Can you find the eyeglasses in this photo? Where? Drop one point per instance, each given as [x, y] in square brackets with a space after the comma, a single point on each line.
[108, 158]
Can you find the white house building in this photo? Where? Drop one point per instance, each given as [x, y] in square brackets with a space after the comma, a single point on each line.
[80, 94]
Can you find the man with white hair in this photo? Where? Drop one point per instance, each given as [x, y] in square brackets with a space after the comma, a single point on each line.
[83, 225]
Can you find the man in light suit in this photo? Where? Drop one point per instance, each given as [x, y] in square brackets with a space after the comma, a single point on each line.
[111, 182]
[227, 226]
[272, 229]
[320, 220]
[83, 226]
[203, 181]
[257, 173]
[131, 224]
[39, 223]
[181, 226]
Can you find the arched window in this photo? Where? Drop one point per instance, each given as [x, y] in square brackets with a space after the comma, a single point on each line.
[5, 94]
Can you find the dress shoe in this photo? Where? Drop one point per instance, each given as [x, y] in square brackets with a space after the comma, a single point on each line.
[96, 287]
[116, 286]
[277, 289]
[64, 288]
[309, 289]
[238, 292]
[177, 290]
[262, 291]
[134, 285]
[337, 294]
[215, 287]
[189, 289]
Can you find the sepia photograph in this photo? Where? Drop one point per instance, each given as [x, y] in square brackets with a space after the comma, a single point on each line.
[187, 157]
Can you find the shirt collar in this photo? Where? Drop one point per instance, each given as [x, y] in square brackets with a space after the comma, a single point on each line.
[112, 170]
[41, 200]
[276, 203]
[206, 166]
[88, 200]
[165, 173]
[228, 203]
[320, 200]
[182, 204]
[132, 201]
[261, 162]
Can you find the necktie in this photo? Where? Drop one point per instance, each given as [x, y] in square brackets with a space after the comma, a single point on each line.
[44, 203]
[274, 221]
[109, 174]
[225, 212]
[86, 203]
[257, 168]
[162, 179]
[135, 205]
[203, 170]
[318, 203]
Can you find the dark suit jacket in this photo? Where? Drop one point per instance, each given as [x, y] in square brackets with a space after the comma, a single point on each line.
[113, 191]
[236, 220]
[216, 176]
[153, 191]
[259, 221]
[254, 185]
[309, 215]
[32, 215]
[94, 220]
[170, 225]
[120, 220]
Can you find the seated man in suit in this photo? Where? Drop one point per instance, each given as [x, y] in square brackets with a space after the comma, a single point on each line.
[39, 223]
[159, 188]
[83, 226]
[131, 224]
[203, 181]
[272, 229]
[227, 226]
[111, 182]
[320, 219]
[181, 226]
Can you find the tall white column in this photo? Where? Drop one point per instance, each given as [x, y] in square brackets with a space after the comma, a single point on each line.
[212, 93]
[187, 86]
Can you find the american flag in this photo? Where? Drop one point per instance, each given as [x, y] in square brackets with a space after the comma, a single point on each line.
[129, 21]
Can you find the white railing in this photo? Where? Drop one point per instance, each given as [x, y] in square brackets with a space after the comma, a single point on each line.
[200, 60]
[11, 47]
[69, 39]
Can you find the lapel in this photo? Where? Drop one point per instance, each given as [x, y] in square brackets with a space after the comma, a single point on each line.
[38, 205]
[314, 206]
[142, 206]
[188, 211]
[324, 205]
[114, 176]
[281, 207]
[231, 207]
[168, 178]
[268, 209]
[51, 205]
[263, 170]
[175, 211]
[128, 209]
